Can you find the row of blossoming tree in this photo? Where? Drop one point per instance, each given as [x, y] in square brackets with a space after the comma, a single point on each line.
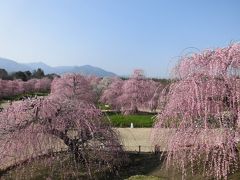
[15, 87]
[202, 108]
[68, 119]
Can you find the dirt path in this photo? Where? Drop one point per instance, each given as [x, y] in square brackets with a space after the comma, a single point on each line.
[131, 139]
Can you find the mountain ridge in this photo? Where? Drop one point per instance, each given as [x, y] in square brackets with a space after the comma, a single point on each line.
[13, 66]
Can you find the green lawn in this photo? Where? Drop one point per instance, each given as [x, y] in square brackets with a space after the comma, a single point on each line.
[138, 120]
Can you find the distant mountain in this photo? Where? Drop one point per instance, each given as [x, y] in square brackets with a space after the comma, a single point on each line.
[12, 66]
[86, 69]
[47, 69]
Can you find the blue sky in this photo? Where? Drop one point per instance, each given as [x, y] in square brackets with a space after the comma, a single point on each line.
[117, 35]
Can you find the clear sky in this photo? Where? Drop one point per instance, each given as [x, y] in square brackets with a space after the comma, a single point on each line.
[117, 35]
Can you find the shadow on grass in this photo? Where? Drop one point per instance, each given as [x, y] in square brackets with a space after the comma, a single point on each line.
[138, 164]
[150, 165]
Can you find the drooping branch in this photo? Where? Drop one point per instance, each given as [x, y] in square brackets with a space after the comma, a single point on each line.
[202, 109]
[31, 128]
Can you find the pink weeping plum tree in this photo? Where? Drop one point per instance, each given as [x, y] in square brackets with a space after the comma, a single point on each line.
[104, 83]
[73, 86]
[202, 109]
[137, 92]
[155, 102]
[112, 93]
[93, 80]
[98, 84]
[43, 84]
[16, 87]
[65, 119]
[130, 95]
[101, 85]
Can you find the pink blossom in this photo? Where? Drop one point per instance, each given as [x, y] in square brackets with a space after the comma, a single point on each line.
[202, 107]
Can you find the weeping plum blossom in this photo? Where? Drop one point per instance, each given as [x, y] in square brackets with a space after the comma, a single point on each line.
[112, 93]
[137, 92]
[102, 85]
[155, 101]
[95, 82]
[62, 120]
[43, 84]
[203, 110]
[130, 95]
[73, 86]
[16, 87]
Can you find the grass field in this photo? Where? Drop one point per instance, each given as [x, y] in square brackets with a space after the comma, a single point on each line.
[138, 120]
